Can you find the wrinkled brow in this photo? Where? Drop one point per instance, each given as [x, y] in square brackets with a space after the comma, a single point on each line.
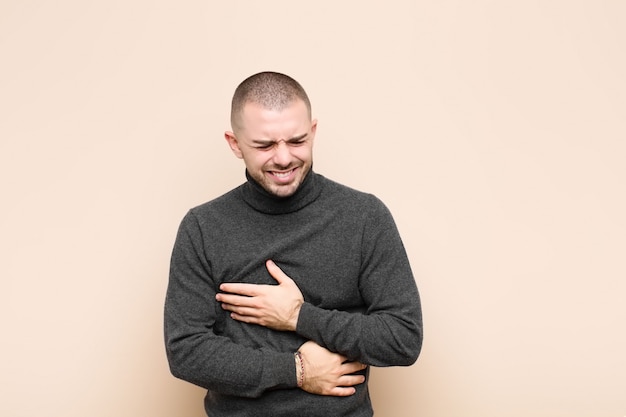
[270, 142]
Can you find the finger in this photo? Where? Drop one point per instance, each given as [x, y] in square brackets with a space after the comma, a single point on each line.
[235, 300]
[276, 272]
[342, 391]
[245, 319]
[352, 367]
[241, 311]
[351, 380]
[241, 289]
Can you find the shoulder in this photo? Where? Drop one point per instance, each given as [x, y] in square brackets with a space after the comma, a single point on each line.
[333, 188]
[225, 200]
[217, 209]
[341, 195]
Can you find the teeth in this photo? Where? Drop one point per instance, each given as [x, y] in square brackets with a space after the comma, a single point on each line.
[282, 174]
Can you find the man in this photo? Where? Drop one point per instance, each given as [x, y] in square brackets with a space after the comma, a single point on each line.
[283, 290]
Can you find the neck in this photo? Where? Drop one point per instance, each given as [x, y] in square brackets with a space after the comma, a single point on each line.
[262, 200]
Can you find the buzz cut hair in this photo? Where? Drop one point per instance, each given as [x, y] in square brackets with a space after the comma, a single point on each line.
[270, 90]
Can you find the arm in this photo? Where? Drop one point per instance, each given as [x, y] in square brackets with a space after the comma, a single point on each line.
[195, 352]
[390, 330]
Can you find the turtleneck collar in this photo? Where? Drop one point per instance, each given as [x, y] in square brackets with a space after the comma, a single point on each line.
[259, 199]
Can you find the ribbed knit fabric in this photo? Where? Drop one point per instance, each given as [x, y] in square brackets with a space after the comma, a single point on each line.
[342, 249]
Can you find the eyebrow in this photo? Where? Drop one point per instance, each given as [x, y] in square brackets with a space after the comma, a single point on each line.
[269, 142]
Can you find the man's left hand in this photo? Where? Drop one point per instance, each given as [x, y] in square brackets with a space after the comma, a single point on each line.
[273, 306]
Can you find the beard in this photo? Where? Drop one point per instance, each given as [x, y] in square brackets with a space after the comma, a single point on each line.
[275, 186]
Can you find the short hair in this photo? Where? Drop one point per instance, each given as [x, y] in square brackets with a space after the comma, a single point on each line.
[271, 90]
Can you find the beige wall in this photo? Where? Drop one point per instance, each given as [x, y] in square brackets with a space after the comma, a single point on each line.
[494, 131]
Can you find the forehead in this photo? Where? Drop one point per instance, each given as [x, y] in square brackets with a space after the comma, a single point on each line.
[259, 122]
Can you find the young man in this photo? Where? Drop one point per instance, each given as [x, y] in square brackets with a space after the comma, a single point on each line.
[283, 290]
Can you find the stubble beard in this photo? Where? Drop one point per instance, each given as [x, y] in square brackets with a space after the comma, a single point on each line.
[283, 191]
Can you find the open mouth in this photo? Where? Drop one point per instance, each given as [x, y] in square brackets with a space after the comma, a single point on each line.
[283, 176]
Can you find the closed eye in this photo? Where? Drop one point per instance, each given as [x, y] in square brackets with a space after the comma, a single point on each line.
[297, 142]
[266, 145]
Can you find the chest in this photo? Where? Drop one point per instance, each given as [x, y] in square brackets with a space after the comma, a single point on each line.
[321, 253]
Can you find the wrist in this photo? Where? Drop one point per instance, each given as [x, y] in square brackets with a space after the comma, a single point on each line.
[295, 316]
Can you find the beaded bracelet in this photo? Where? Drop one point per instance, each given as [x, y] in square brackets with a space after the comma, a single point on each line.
[300, 366]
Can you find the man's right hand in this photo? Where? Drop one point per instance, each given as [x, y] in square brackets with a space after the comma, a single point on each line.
[328, 373]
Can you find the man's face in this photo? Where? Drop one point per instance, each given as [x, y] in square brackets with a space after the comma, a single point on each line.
[276, 146]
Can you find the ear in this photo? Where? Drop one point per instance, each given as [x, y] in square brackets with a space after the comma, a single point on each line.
[313, 129]
[233, 143]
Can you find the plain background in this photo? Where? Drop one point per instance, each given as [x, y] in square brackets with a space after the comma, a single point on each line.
[495, 131]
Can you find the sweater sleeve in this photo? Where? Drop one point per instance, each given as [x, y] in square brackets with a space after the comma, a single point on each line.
[194, 351]
[389, 331]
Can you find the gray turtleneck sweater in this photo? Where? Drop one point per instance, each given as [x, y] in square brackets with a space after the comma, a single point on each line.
[342, 249]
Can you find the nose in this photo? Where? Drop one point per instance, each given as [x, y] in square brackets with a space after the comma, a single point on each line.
[282, 154]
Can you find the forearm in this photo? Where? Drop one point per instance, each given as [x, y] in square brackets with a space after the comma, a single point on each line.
[216, 363]
[379, 339]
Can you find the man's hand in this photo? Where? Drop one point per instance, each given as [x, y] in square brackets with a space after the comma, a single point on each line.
[328, 373]
[273, 306]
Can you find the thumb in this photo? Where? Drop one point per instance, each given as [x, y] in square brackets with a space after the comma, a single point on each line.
[276, 272]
